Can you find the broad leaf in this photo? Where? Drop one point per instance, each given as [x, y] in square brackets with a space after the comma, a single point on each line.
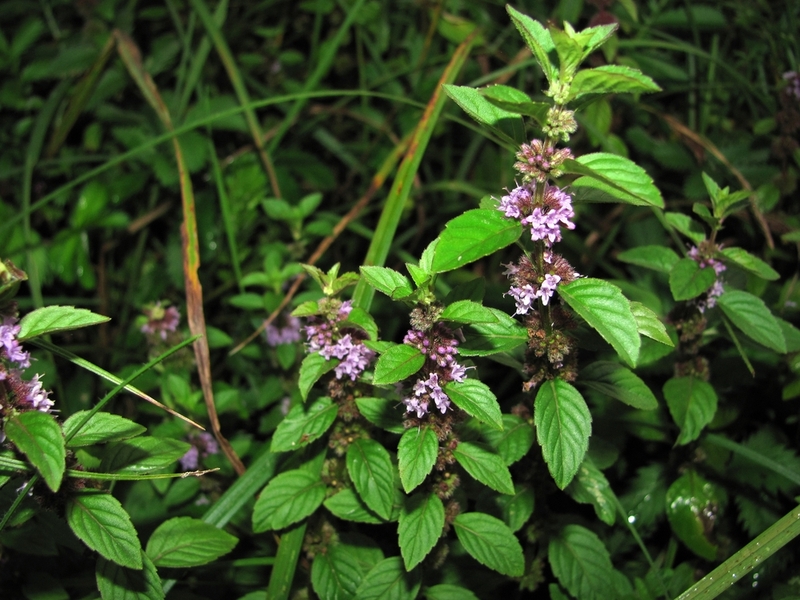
[301, 427]
[103, 427]
[313, 367]
[581, 563]
[447, 591]
[689, 499]
[386, 280]
[692, 403]
[288, 498]
[485, 466]
[610, 79]
[590, 486]
[506, 123]
[335, 574]
[751, 264]
[614, 380]
[752, 316]
[100, 522]
[513, 441]
[687, 280]
[122, 583]
[419, 528]
[489, 541]
[473, 235]
[476, 399]
[37, 435]
[516, 101]
[493, 338]
[416, 455]
[517, 508]
[468, 312]
[188, 542]
[603, 307]
[349, 507]
[388, 580]
[658, 258]
[372, 472]
[397, 363]
[51, 319]
[648, 324]
[382, 412]
[538, 40]
[142, 454]
[363, 320]
[563, 427]
[686, 225]
[612, 178]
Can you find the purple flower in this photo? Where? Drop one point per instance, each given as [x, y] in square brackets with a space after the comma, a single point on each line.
[545, 221]
[325, 337]
[190, 459]
[355, 361]
[160, 320]
[524, 297]
[37, 397]
[9, 345]
[203, 444]
[288, 334]
[709, 300]
[548, 287]
[793, 89]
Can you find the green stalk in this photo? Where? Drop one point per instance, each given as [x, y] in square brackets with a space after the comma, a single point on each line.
[227, 216]
[280, 583]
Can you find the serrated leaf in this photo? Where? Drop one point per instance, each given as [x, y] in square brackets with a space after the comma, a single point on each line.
[614, 380]
[581, 563]
[750, 263]
[513, 441]
[142, 454]
[372, 472]
[419, 275]
[690, 499]
[686, 225]
[517, 508]
[100, 522]
[115, 582]
[493, 338]
[610, 79]
[692, 403]
[188, 542]
[335, 574]
[503, 122]
[590, 486]
[658, 258]
[648, 324]
[484, 466]
[37, 435]
[563, 427]
[473, 235]
[476, 399]
[416, 455]
[288, 498]
[306, 309]
[687, 280]
[103, 427]
[538, 40]
[388, 580]
[489, 541]
[516, 101]
[468, 312]
[447, 591]
[382, 412]
[397, 363]
[301, 427]
[752, 316]
[420, 527]
[612, 178]
[50, 319]
[388, 281]
[603, 307]
[363, 320]
[313, 367]
[349, 507]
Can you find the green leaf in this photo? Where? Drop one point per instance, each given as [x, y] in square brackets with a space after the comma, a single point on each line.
[489, 541]
[590, 486]
[301, 427]
[658, 258]
[360, 318]
[538, 40]
[382, 412]
[416, 455]
[603, 307]
[142, 454]
[485, 466]
[37, 435]
[100, 522]
[386, 280]
[388, 580]
[115, 582]
[563, 427]
[692, 403]
[518, 508]
[751, 264]
[348, 506]
[612, 178]
[313, 367]
[610, 79]
[335, 574]
[466, 311]
[397, 363]
[420, 527]
[371, 470]
[476, 399]
[513, 441]
[503, 122]
[103, 427]
[581, 563]
[690, 501]
[447, 591]
[494, 338]
[648, 324]
[752, 316]
[473, 235]
[612, 379]
[288, 498]
[687, 280]
[516, 101]
[56, 318]
[686, 225]
[306, 309]
[187, 542]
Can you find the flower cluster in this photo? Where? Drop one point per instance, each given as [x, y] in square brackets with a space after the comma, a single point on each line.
[288, 334]
[14, 390]
[160, 320]
[545, 217]
[203, 444]
[325, 336]
[538, 161]
[704, 257]
[793, 78]
[439, 346]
